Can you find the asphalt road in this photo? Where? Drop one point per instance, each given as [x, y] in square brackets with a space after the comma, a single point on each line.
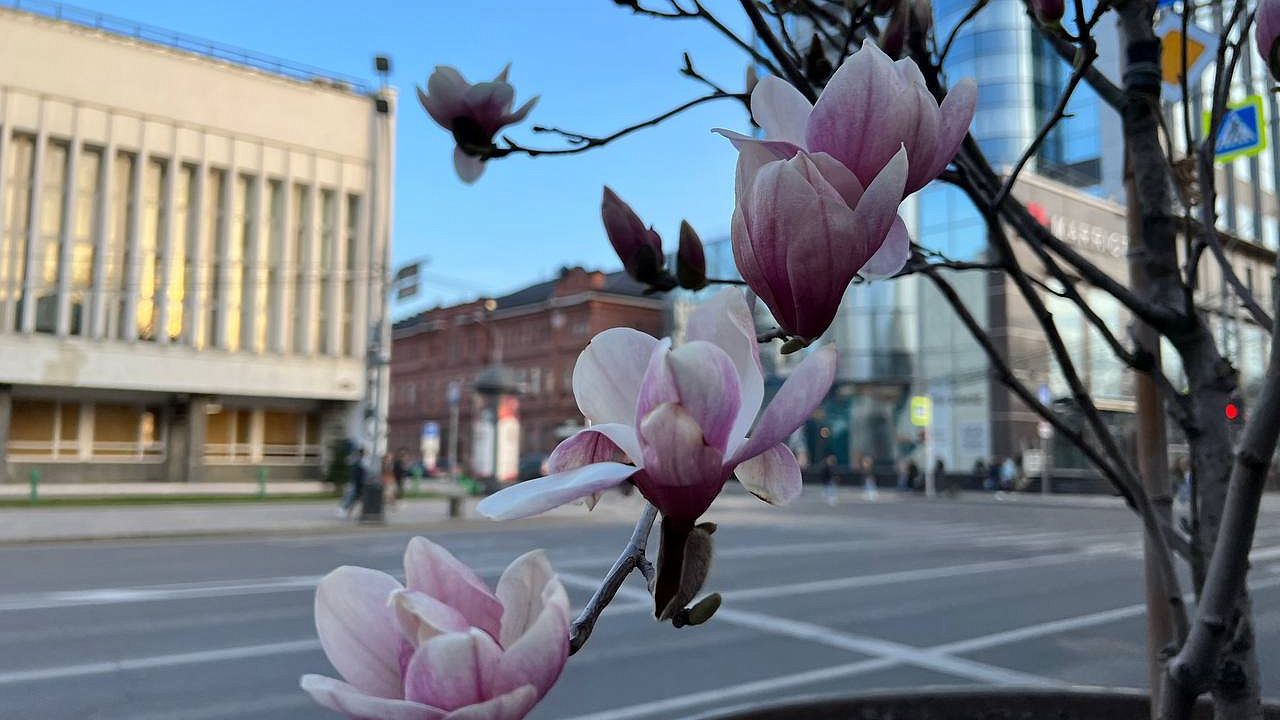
[817, 599]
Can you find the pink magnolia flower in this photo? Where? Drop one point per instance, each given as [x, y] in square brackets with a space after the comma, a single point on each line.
[685, 419]
[1268, 31]
[804, 227]
[473, 113]
[871, 107]
[441, 647]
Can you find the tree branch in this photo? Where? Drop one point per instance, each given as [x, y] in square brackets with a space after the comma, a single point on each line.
[699, 12]
[789, 68]
[583, 142]
[632, 558]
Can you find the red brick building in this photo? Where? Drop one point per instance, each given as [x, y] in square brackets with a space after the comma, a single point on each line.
[536, 333]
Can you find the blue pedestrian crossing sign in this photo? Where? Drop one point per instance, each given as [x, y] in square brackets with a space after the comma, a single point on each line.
[1242, 132]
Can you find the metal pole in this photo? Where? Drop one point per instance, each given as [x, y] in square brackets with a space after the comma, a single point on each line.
[453, 439]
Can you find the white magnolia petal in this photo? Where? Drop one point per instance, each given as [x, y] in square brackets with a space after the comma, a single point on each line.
[341, 697]
[358, 632]
[780, 109]
[539, 495]
[773, 475]
[607, 376]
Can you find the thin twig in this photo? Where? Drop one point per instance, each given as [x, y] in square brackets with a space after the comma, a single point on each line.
[951, 38]
[789, 68]
[584, 142]
[632, 558]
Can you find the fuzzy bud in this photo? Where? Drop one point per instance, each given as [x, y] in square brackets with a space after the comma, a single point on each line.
[691, 262]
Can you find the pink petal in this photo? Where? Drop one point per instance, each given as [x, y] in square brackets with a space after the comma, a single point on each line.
[892, 255]
[707, 382]
[607, 376]
[341, 697]
[468, 167]
[682, 474]
[781, 110]
[605, 442]
[857, 115]
[488, 103]
[535, 496]
[454, 670]
[511, 706]
[434, 571]
[526, 587]
[772, 476]
[957, 113]
[878, 208]
[753, 271]
[919, 131]
[752, 157]
[520, 113]
[422, 617]
[803, 391]
[443, 99]
[659, 384]
[358, 632]
[726, 321]
[535, 625]
[502, 76]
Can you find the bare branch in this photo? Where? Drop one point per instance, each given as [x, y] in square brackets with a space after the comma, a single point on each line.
[951, 38]
[790, 70]
[678, 12]
[1085, 55]
[584, 142]
[1110, 93]
[632, 558]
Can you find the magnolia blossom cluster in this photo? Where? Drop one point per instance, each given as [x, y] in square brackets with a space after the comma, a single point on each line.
[678, 422]
[442, 646]
[817, 197]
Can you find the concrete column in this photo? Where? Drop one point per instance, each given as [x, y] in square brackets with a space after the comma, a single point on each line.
[280, 337]
[133, 263]
[167, 244]
[6, 414]
[336, 278]
[28, 319]
[99, 293]
[7, 302]
[254, 290]
[196, 429]
[360, 308]
[197, 290]
[309, 274]
[70, 196]
[222, 252]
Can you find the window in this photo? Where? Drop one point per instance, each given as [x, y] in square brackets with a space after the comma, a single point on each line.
[84, 218]
[328, 257]
[47, 246]
[206, 275]
[351, 343]
[302, 306]
[278, 281]
[185, 227]
[17, 211]
[231, 259]
[253, 320]
[147, 261]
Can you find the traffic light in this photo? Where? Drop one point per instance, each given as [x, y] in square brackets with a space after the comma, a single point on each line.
[1234, 410]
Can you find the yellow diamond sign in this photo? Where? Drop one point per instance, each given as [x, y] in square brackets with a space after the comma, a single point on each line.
[1199, 47]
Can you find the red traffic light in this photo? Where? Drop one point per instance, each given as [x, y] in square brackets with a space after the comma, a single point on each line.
[1233, 412]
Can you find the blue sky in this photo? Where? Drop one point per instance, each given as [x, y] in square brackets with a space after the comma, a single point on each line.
[597, 68]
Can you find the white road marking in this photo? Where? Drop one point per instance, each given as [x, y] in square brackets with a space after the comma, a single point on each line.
[666, 708]
[231, 710]
[156, 661]
[875, 647]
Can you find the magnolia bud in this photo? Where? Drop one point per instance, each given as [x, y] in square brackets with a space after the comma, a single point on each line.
[691, 262]
[1268, 21]
[684, 560]
[639, 248]
[699, 613]
[1048, 12]
[894, 35]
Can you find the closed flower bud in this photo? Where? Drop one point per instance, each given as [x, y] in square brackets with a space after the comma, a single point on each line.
[894, 35]
[1268, 30]
[1048, 12]
[691, 262]
[639, 248]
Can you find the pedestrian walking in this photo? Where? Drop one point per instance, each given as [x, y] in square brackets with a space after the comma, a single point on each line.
[869, 488]
[830, 480]
[1008, 474]
[993, 476]
[913, 475]
[400, 471]
[355, 483]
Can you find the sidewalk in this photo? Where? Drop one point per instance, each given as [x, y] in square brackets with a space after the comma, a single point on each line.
[299, 488]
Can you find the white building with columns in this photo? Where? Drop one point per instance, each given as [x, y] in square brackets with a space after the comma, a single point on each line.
[193, 245]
